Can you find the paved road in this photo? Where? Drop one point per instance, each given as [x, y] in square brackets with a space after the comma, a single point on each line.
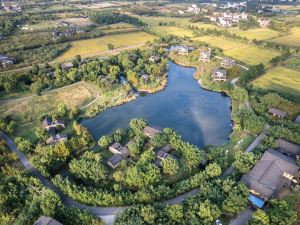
[243, 218]
[233, 82]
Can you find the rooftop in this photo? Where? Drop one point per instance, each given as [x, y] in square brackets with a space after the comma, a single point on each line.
[44, 220]
[288, 148]
[269, 173]
[277, 112]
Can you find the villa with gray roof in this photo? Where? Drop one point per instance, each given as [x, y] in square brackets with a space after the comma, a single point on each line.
[120, 153]
[7, 60]
[152, 131]
[288, 148]
[49, 123]
[278, 113]
[67, 66]
[219, 74]
[270, 174]
[205, 55]
[228, 62]
[154, 59]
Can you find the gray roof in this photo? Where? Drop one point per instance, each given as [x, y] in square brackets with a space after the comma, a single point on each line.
[228, 60]
[124, 152]
[297, 120]
[267, 175]
[44, 220]
[154, 58]
[288, 148]
[116, 146]
[151, 131]
[277, 112]
[220, 70]
[115, 160]
[166, 148]
[67, 65]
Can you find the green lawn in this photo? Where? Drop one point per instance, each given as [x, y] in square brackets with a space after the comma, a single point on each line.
[280, 79]
[155, 20]
[292, 39]
[258, 34]
[96, 46]
[241, 52]
[179, 31]
[28, 110]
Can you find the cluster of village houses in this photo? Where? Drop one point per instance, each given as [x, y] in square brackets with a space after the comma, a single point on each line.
[122, 153]
[218, 74]
[68, 31]
[7, 61]
[10, 6]
[226, 19]
[67, 66]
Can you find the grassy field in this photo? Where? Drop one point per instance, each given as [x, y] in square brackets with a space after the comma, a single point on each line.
[252, 55]
[280, 79]
[206, 26]
[27, 110]
[154, 21]
[117, 26]
[292, 39]
[241, 52]
[258, 34]
[96, 46]
[218, 42]
[79, 21]
[179, 31]
[43, 25]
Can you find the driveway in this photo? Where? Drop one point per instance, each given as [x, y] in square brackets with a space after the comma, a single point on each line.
[243, 218]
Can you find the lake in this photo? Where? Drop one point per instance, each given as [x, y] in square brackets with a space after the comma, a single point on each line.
[200, 116]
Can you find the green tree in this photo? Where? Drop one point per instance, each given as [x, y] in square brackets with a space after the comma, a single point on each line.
[89, 168]
[208, 212]
[137, 125]
[148, 213]
[110, 46]
[170, 165]
[50, 203]
[175, 213]
[105, 141]
[24, 145]
[237, 199]
[240, 94]
[213, 170]
[281, 213]
[244, 161]
[134, 149]
[133, 77]
[113, 72]
[260, 217]
[36, 87]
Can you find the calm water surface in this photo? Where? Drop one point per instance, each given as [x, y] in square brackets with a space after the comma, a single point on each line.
[200, 116]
